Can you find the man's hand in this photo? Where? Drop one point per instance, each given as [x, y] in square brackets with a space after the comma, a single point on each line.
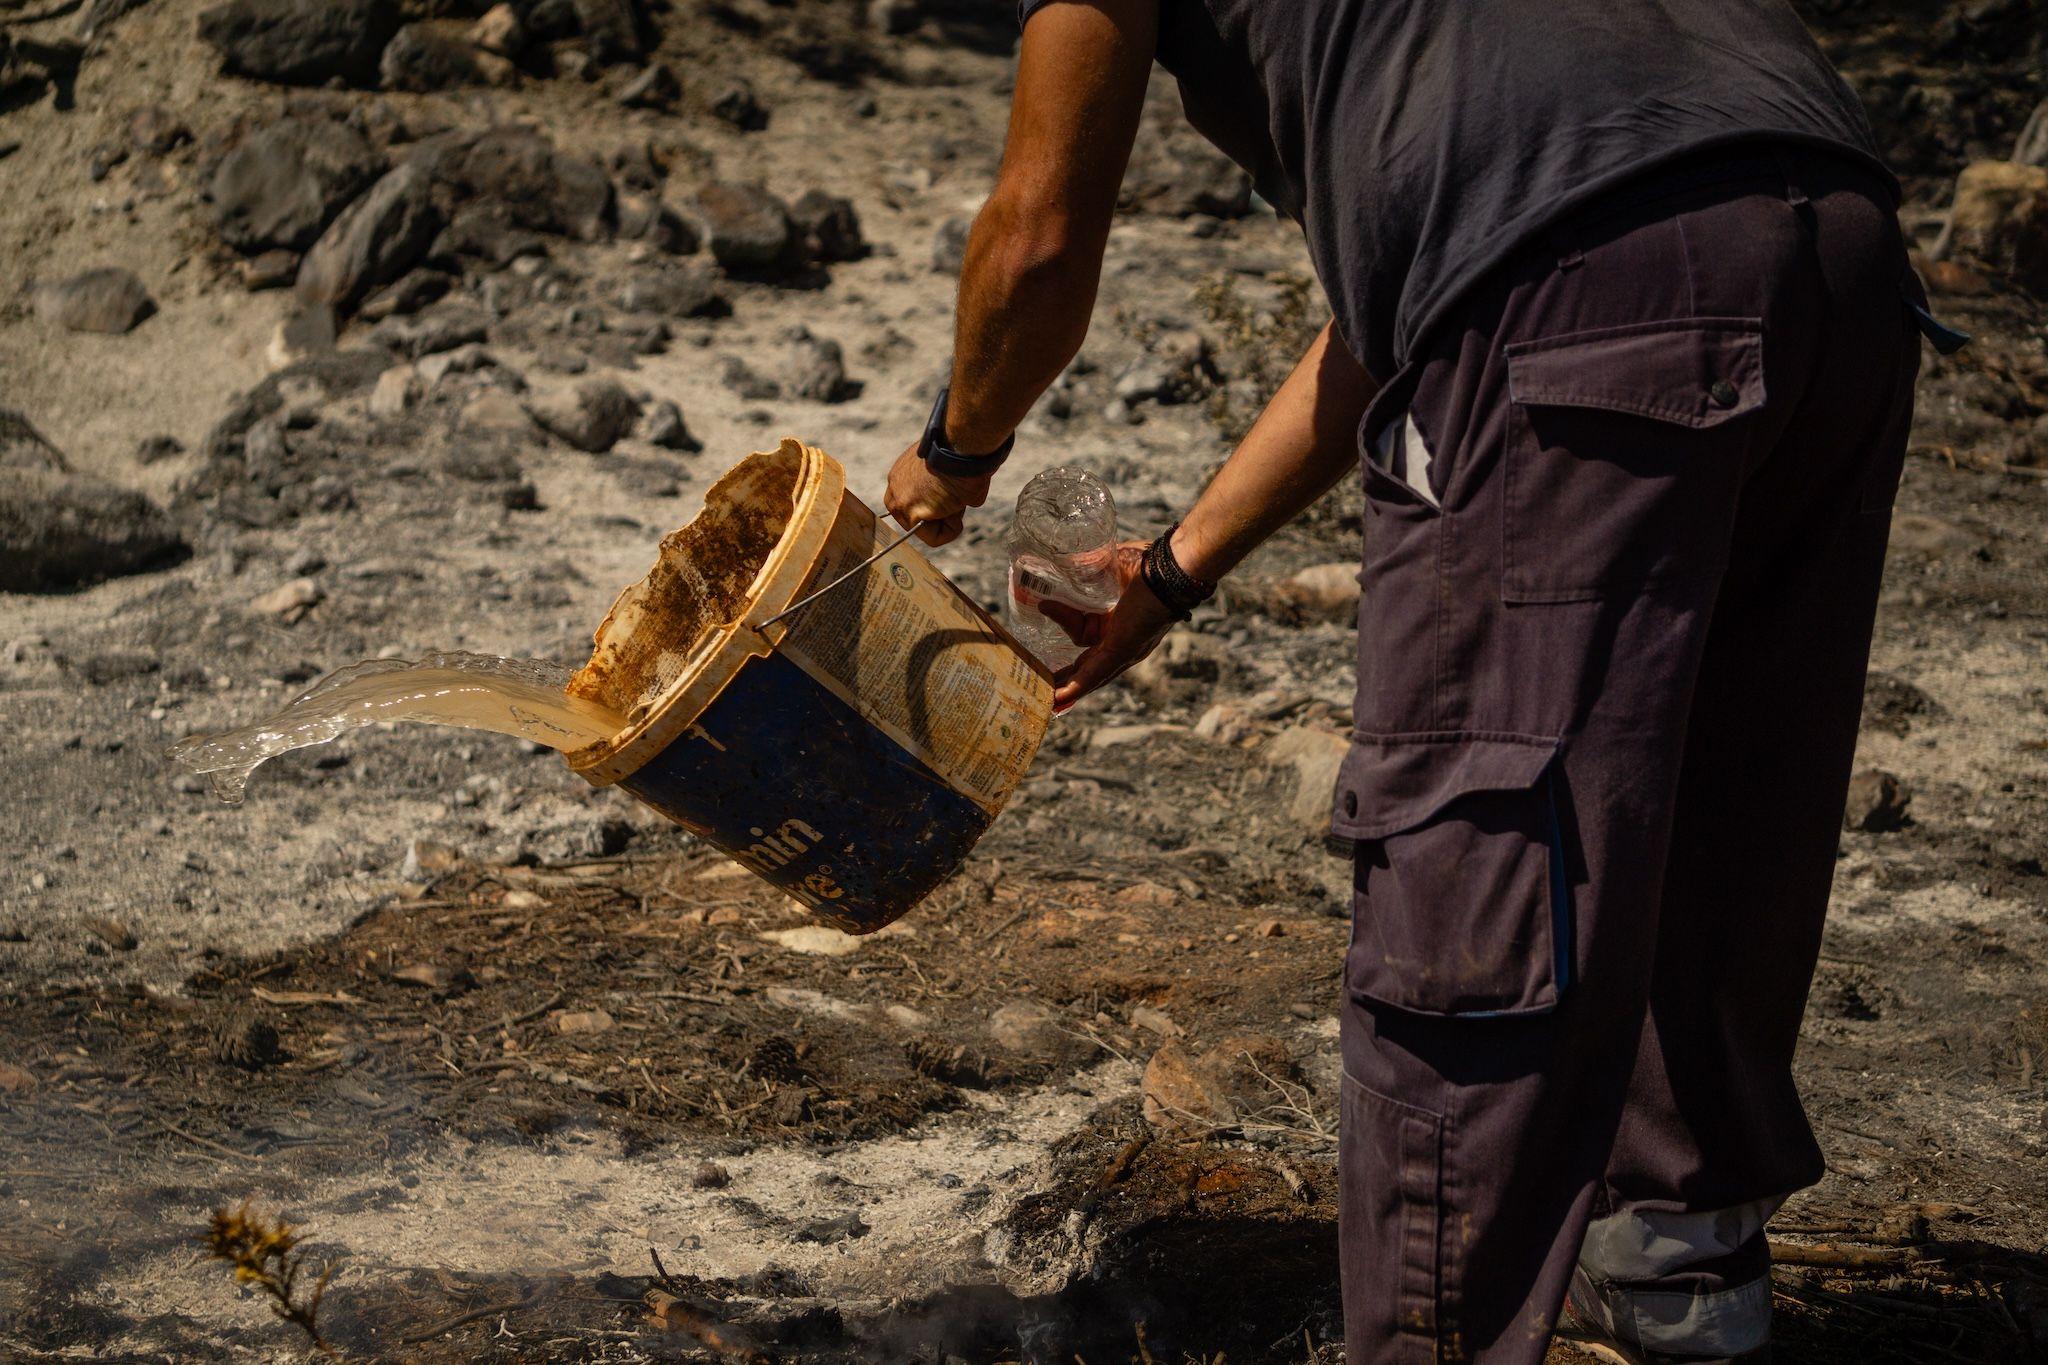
[938, 500]
[1116, 639]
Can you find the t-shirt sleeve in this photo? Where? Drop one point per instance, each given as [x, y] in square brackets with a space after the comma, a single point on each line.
[1027, 8]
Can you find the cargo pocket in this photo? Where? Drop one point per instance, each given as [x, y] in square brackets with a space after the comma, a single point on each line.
[1624, 454]
[1461, 903]
[1390, 1209]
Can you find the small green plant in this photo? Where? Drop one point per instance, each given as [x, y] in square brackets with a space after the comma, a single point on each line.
[266, 1256]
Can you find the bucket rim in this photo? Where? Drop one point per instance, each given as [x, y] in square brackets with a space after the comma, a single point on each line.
[814, 506]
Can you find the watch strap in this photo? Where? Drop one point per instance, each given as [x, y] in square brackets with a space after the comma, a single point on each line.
[941, 458]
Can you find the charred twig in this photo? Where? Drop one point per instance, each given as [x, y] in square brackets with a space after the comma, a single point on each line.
[1839, 1256]
[514, 1020]
[473, 1315]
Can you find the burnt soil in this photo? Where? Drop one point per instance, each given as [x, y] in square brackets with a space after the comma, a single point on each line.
[499, 1041]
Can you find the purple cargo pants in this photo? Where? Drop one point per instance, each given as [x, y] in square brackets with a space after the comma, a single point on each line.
[1621, 564]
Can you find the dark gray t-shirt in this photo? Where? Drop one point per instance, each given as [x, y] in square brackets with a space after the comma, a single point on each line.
[1418, 142]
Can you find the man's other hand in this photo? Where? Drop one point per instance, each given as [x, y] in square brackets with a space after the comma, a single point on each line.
[1116, 639]
[938, 500]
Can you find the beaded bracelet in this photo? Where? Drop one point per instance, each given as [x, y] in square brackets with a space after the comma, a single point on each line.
[1180, 590]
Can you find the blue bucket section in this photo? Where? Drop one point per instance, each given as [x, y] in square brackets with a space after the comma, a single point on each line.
[795, 786]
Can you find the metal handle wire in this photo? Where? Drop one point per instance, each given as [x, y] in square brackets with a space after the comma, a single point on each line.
[809, 598]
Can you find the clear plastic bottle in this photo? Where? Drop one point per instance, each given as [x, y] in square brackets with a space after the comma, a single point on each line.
[1062, 549]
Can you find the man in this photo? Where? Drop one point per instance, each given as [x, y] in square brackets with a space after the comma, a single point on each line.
[1624, 329]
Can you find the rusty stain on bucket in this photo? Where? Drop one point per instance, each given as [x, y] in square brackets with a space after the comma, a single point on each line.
[851, 752]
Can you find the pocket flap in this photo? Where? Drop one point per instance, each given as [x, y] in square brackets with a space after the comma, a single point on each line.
[1694, 372]
[1389, 783]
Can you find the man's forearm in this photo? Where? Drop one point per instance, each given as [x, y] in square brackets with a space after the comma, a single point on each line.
[1305, 440]
[1026, 291]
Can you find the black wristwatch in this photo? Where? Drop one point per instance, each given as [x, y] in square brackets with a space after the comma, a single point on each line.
[941, 458]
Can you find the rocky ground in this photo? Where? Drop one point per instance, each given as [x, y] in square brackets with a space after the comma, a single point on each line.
[341, 329]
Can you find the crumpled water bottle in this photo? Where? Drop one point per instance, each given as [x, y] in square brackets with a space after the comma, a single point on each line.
[1062, 551]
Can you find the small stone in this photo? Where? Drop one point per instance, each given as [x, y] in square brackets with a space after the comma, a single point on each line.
[424, 974]
[1315, 756]
[1180, 1096]
[1269, 928]
[591, 415]
[113, 933]
[744, 226]
[583, 1021]
[1877, 802]
[1321, 592]
[425, 858]
[303, 336]
[685, 291]
[272, 269]
[393, 392]
[16, 1080]
[827, 1231]
[654, 88]
[1154, 1021]
[466, 359]
[2000, 217]
[499, 31]
[738, 105]
[664, 427]
[423, 60]
[818, 371]
[495, 414]
[1024, 1026]
[151, 449]
[829, 227]
[1147, 894]
[1116, 736]
[109, 299]
[290, 601]
[709, 1175]
[155, 130]
[1223, 723]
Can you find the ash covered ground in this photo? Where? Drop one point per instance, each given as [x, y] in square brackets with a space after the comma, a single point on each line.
[339, 328]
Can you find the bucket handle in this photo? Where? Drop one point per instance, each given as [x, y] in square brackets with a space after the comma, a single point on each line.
[809, 598]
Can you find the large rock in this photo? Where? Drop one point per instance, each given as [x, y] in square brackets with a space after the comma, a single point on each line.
[611, 29]
[818, 371]
[301, 42]
[109, 299]
[591, 415]
[2000, 217]
[1321, 592]
[61, 530]
[745, 226]
[288, 181]
[374, 241]
[542, 188]
[828, 226]
[1247, 1076]
[424, 59]
[685, 292]
[1315, 756]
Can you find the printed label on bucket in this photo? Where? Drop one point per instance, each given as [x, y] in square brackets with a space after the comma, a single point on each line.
[963, 703]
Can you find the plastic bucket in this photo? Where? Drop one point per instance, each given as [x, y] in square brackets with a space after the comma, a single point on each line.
[851, 752]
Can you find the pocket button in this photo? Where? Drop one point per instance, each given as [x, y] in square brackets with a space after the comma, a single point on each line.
[1723, 393]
